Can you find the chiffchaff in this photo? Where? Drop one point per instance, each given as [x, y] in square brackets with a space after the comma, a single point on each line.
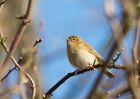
[82, 55]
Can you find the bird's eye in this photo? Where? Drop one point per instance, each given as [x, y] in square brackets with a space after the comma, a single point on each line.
[73, 39]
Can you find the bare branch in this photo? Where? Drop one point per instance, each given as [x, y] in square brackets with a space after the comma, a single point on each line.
[16, 41]
[77, 72]
[95, 86]
[10, 90]
[135, 44]
[18, 66]
[9, 72]
[133, 81]
[115, 29]
[20, 60]
[119, 91]
[2, 5]
[117, 57]
[37, 41]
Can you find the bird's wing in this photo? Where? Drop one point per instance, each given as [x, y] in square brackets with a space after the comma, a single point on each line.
[94, 52]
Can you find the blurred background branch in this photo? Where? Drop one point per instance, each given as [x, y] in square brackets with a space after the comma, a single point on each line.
[3, 43]
[136, 42]
[2, 2]
[24, 21]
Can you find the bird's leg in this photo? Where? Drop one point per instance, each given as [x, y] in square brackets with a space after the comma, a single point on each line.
[91, 65]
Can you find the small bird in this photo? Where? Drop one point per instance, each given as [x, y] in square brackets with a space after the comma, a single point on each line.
[82, 55]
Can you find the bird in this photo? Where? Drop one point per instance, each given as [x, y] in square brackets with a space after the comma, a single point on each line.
[81, 54]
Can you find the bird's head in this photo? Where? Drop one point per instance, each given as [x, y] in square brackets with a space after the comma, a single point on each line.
[74, 40]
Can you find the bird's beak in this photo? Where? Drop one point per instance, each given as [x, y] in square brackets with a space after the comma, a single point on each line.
[67, 39]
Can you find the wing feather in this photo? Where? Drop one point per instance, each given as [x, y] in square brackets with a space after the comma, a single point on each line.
[94, 52]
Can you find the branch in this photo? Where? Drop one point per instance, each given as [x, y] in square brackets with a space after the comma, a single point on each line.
[37, 42]
[136, 42]
[15, 89]
[77, 72]
[133, 81]
[132, 72]
[20, 59]
[17, 38]
[9, 72]
[119, 91]
[112, 65]
[118, 55]
[3, 43]
[2, 2]
[1, 5]
[116, 28]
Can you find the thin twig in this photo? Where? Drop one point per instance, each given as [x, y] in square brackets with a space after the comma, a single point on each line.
[95, 86]
[9, 72]
[2, 5]
[119, 91]
[77, 72]
[135, 44]
[117, 57]
[115, 28]
[17, 38]
[37, 42]
[130, 14]
[20, 60]
[10, 90]
[133, 81]
[2, 2]
[132, 72]
[19, 67]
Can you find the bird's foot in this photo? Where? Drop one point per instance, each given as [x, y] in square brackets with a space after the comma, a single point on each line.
[91, 66]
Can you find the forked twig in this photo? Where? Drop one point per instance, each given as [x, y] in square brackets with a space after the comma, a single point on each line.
[17, 38]
[20, 60]
[3, 43]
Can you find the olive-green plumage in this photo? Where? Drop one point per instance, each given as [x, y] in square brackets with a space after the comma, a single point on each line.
[81, 54]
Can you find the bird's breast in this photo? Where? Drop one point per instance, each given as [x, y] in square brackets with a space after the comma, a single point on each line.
[82, 58]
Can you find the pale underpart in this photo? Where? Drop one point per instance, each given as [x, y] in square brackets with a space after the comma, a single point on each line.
[83, 58]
